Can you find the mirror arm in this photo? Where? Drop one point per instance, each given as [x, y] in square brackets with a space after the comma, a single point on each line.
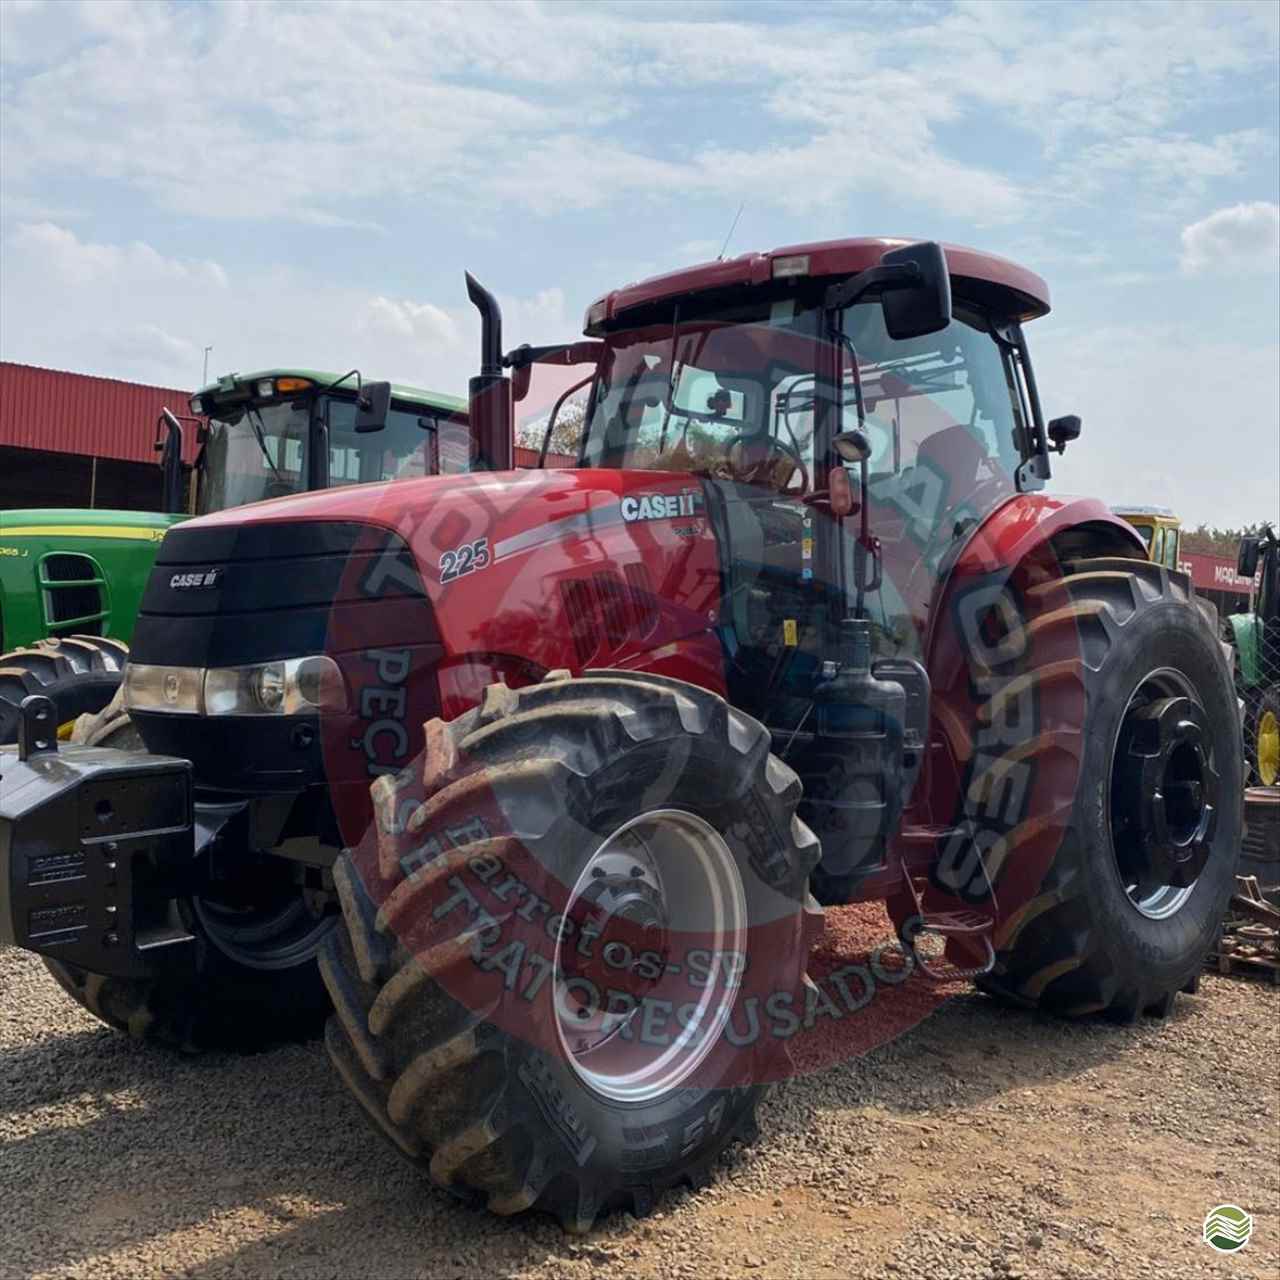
[899, 275]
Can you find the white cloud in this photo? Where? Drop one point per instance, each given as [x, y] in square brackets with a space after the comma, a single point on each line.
[126, 311]
[406, 319]
[80, 262]
[1240, 238]
[318, 111]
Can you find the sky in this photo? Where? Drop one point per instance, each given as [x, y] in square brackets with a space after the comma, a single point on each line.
[304, 184]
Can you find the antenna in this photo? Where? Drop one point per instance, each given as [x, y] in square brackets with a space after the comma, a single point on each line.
[732, 227]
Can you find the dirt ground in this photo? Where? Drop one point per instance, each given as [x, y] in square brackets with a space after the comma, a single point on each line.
[984, 1142]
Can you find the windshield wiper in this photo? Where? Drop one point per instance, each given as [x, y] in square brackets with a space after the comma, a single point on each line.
[255, 422]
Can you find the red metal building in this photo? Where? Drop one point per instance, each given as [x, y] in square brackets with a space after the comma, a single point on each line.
[72, 440]
[68, 439]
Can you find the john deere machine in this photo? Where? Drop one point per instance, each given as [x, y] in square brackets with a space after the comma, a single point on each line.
[1257, 641]
[71, 580]
[534, 783]
[1256, 637]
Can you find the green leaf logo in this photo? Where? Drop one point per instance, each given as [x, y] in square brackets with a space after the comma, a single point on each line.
[1227, 1228]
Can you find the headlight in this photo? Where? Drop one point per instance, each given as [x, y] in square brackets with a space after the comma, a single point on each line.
[152, 688]
[292, 686]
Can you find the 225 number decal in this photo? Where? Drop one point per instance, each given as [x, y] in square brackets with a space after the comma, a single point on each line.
[464, 559]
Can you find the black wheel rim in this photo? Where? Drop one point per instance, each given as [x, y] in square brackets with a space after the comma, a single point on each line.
[1164, 794]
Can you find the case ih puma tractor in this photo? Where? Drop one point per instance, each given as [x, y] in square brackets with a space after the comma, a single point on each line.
[535, 783]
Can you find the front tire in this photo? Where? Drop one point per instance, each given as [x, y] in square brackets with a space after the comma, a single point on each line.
[80, 673]
[478, 1033]
[255, 981]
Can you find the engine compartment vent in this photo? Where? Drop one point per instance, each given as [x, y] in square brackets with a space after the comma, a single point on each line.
[644, 608]
[72, 590]
[584, 617]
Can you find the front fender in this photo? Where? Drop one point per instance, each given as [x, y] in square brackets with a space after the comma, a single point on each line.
[1244, 631]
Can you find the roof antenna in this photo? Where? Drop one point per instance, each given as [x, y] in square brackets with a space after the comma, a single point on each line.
[732, 227]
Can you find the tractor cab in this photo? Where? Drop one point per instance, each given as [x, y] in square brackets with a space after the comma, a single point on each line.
[1159, 528]
[286, 431]
[849, 412]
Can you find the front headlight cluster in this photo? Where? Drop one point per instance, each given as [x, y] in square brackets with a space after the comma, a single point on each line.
[291, 686]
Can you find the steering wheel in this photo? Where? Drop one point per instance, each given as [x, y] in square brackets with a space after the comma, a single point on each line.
[761, 457]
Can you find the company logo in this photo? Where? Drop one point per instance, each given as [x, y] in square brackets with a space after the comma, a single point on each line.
[197, 581]
[1227, 1228]
[660, 506]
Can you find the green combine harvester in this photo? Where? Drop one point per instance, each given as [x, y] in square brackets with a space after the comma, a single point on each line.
[71, 579]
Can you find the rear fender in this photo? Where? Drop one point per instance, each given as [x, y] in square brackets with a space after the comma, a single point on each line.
[1027, 537]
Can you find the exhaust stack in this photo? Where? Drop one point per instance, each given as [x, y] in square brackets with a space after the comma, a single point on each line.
[489, 393]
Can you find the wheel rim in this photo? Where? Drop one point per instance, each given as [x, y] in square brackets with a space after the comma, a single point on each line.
[662, 875]
[281, 935]
[1164, 794]
[1268, 748]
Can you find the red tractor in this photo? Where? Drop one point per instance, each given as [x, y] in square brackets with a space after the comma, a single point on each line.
[802, 628]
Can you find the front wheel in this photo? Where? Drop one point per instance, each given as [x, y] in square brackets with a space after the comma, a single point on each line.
[80, 673]
[1266, 737]
[570, 968]
[254, 982]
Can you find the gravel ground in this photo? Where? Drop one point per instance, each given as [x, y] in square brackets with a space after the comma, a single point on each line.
[984, 1142]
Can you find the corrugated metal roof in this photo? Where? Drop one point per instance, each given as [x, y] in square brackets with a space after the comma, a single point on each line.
[106, 418]
[75, 413]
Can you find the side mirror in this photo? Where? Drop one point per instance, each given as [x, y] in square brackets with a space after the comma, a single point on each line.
[1063, 430]
[373, 403]
[1247, 559]
[922, 304]
[851, 446]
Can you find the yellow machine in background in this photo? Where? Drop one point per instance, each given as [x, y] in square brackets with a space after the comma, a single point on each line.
[1161, 530]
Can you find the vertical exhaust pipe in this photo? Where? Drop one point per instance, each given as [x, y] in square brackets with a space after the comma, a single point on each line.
[489, 393]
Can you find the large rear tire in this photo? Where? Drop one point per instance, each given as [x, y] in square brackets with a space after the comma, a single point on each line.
[80, 673]
[255, 981]
[658, 810]
[1134, 895]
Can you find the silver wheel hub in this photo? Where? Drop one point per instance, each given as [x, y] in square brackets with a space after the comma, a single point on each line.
[645, 971]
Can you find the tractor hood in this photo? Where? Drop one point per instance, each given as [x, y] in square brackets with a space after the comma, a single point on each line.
[422, 592]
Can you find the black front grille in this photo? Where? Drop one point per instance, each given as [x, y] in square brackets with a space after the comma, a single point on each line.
[232, 595]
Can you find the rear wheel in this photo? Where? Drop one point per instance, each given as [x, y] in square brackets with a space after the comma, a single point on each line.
[254, 981]
[1132, 898]
[80, 673]
[541, 988]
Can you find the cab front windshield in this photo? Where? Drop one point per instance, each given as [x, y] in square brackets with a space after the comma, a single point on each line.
[732, 395]
[259, 451]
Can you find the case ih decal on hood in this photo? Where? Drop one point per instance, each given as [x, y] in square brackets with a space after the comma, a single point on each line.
[661, 506]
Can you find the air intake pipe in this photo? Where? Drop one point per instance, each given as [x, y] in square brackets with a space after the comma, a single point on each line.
[489, 393]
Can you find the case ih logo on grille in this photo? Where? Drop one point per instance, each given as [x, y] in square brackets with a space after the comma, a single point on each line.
[195, 581]
[660, 506]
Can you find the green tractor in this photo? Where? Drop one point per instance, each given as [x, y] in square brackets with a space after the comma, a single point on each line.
[71, 580]
[1257, 645]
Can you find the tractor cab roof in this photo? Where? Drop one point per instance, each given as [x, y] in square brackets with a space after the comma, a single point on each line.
[236, 383]
[1009, 289]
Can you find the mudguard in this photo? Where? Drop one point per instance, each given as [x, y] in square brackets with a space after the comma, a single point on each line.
[1244, 629]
